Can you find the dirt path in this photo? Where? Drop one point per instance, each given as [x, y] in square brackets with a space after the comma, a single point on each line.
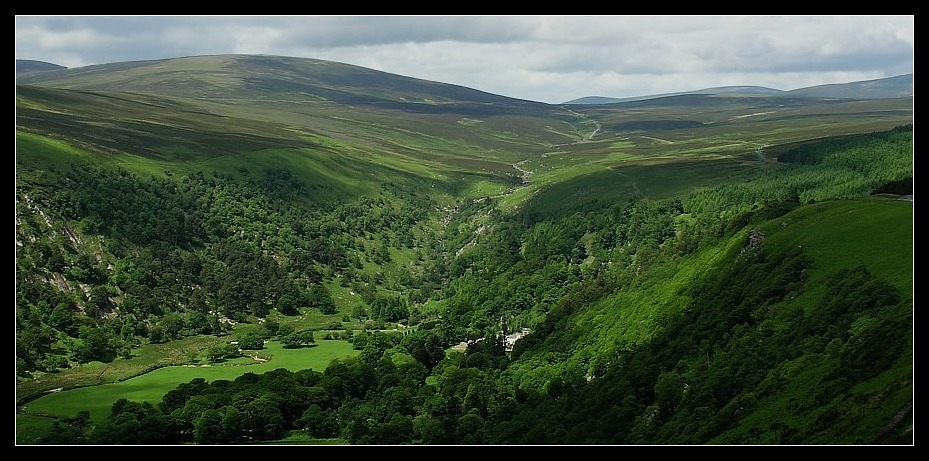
[635, 187]
[663, 141]
[761, 156]
[525, 173]
[593, 133]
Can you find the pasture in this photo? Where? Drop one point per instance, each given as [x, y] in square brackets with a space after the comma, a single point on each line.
[153, 385]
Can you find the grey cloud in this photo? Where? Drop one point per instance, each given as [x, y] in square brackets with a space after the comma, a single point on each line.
[531, 57]
[350, 31]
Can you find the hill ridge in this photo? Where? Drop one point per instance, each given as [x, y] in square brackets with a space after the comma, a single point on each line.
[881, 88]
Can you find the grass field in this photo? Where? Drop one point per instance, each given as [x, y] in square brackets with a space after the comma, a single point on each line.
[153, 385]
[876, 232]
[651, 179]
[146, 358]
[643, 309]
[29, 428]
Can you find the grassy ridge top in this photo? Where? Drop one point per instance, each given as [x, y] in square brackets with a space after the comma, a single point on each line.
[264, 77]
[197, 109]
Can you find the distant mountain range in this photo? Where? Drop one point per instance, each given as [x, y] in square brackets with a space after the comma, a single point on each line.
[900, 86]
[734, 90]
[80, 78]
[279, 78]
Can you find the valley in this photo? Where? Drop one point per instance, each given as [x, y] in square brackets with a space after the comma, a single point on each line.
[240, 249]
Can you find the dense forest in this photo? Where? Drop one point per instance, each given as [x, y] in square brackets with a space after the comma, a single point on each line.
[688, 320]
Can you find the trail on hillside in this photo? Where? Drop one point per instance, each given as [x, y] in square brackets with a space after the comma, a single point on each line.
[586, 119]
[761, 156]
[525, 174]
[663, 141]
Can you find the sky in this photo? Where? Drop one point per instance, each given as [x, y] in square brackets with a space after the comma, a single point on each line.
[550, 59]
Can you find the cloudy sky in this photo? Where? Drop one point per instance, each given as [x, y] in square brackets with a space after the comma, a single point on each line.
[542, 58]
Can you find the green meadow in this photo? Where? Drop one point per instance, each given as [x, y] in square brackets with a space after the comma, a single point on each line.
[153, 385]
[876, 232]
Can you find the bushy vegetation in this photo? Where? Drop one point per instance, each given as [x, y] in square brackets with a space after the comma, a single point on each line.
[189, 256]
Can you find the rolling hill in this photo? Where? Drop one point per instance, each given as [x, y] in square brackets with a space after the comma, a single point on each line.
[260, 101]
[224, 77]
[733, 90]
[24, 66]
[689, 269]
[226, 111]
[900, 86]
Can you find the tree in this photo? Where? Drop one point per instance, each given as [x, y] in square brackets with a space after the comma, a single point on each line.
[469, 429]
[62, 318]
[669, 390]
[298, 339]
[156, 335]
[397, 430]
[390, 309]
[287, 304]
[199, 323]
[262, 418]
[97, 343]
[318, 422]
[252, 341]
[208, 428]
[220, 353]
[320, 298]
[359, 312]
[232, 424]
[99, 301]
[426, 347]
[33, 343]
[429, 430]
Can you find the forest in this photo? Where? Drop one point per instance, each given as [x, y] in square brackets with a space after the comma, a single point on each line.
[731, 314]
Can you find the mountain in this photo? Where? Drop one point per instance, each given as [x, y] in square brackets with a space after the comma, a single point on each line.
[242, 103]
[222, 109]
[731, 90]
[229, 77]
[24, 66]
[900, 86]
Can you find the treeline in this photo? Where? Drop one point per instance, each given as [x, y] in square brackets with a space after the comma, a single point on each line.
[828, 169]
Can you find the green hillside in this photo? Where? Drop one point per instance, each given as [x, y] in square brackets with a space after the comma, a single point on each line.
[222, 76]
[685, 270]
[748, 343]
[890, 87]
